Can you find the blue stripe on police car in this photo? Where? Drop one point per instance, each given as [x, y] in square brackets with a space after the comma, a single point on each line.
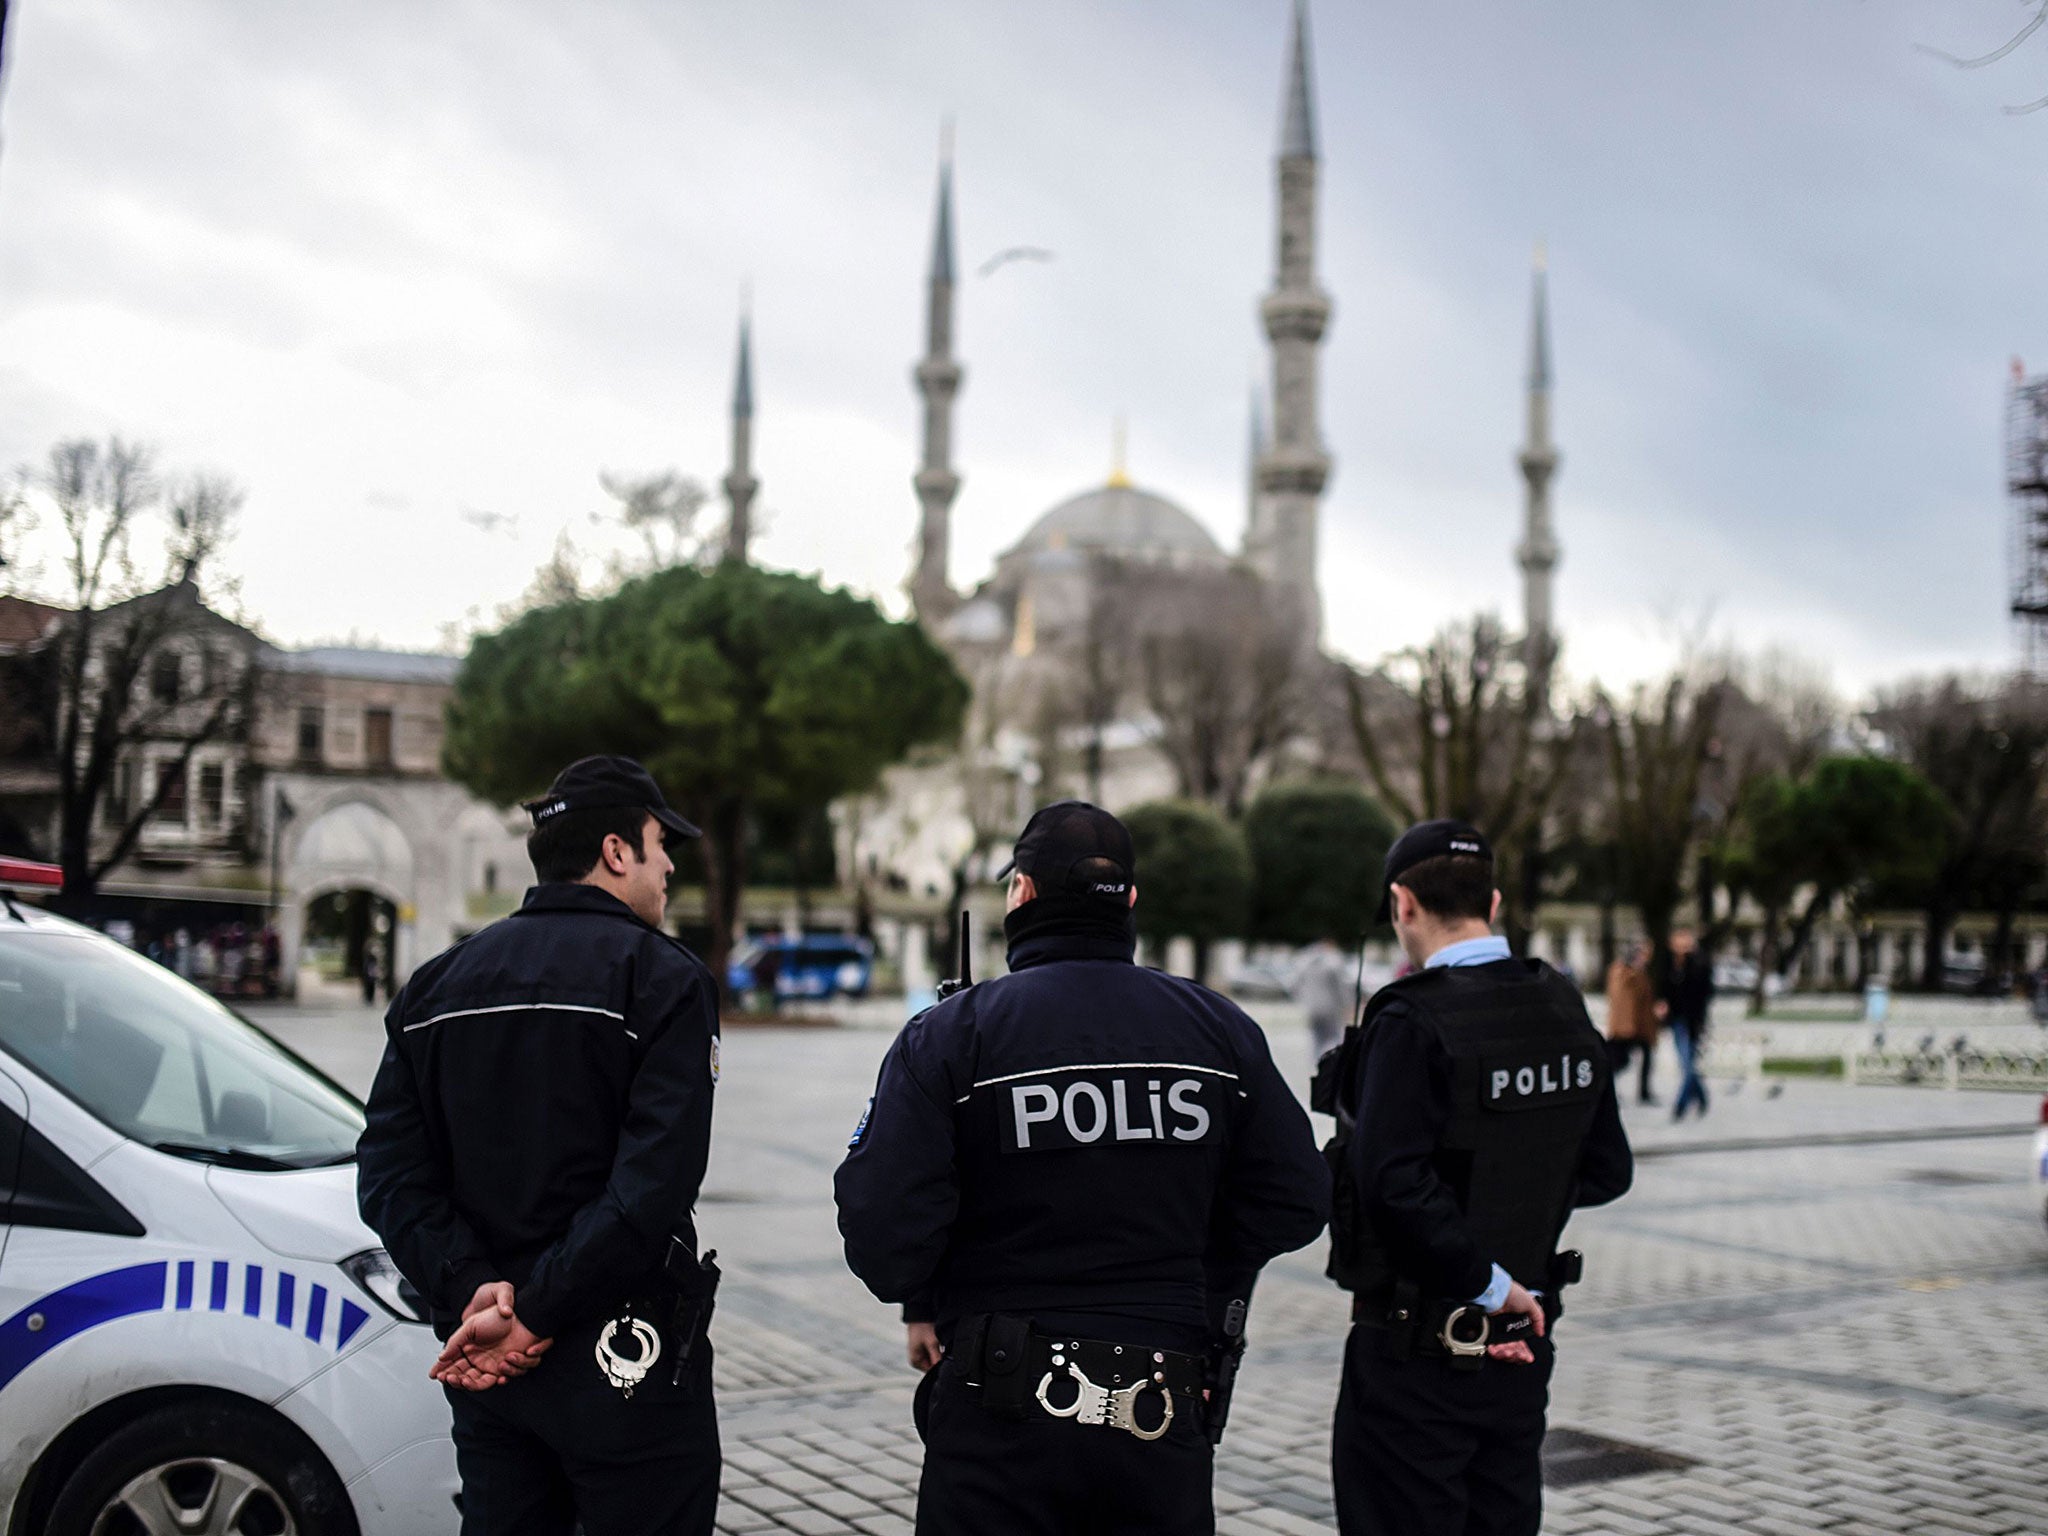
[163, 1286]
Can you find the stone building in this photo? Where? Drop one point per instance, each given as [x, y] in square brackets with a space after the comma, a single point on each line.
[327, 782]
[348, 747]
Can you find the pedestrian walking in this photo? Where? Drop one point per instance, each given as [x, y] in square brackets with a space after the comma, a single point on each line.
[1070, 1177]
[1475, 1109]
[1688, 998]
[536, 1136]
[1632, 1017]
[1326, 988]
[372, 969]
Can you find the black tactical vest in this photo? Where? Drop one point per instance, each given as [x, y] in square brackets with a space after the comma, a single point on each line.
[1527, 1072]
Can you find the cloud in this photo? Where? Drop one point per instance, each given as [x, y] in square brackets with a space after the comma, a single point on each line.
[389, 261]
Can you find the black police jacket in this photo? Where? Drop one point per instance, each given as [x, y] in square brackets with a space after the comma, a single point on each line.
[542, 1113]
[1483, 1113]
[1106, 1148]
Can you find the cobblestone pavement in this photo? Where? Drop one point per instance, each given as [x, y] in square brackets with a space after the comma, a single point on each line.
[1838, 1338]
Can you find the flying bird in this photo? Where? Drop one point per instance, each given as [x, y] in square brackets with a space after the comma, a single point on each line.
[1015, 253]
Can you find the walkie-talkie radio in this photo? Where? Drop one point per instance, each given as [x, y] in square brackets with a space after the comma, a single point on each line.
[965, 979]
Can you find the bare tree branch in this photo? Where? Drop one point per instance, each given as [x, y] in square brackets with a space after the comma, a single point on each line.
[2040, 18]
[662, 508]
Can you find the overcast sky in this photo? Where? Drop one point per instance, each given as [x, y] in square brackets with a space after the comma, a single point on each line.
[396, 263]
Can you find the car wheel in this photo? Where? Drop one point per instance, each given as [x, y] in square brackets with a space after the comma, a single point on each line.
[204, 1469]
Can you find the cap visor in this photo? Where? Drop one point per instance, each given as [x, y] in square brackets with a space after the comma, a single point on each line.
[1006, 871]
[673, 822]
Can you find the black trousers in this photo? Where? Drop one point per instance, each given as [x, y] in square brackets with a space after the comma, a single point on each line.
[1618, 1054]
[1040, 1476]
[1420, 1449]
[561, 1446]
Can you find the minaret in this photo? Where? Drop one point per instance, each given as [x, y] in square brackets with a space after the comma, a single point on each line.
[938, 380]
[740, 483]
[1294, 467]
[1539, 551]
[1258, 452]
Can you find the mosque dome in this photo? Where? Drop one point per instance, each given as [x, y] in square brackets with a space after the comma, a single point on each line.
[1120, 519]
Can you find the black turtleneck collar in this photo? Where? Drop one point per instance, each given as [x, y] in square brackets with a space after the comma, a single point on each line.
[575, 896]
[1060, 926]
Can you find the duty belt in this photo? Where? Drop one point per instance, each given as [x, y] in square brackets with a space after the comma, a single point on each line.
[1457, 1331]
[1091, 1381]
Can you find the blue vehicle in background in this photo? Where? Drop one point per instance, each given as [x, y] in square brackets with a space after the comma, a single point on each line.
[813, 967]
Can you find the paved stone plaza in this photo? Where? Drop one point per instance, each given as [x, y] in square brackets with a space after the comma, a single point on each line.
[1840, 1328]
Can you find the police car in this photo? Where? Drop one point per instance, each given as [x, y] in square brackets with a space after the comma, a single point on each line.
[197, 1333]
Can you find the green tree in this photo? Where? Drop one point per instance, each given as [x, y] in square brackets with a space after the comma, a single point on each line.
[1762, 857]
[1194, 875]
[1986, 751]
[1317, 853]
[747, 693]
[1869, 823]
[1852, 828]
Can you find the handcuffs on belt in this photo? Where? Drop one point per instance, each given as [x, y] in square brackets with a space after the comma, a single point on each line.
[1448, 1335]
[1116, 1407]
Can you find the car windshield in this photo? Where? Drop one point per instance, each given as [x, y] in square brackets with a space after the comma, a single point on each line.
[160, 1061]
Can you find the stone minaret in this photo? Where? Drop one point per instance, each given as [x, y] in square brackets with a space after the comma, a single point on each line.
[1252, 520]
[938, 380]
[740, 483]
[1539, 552]
[1294, 467]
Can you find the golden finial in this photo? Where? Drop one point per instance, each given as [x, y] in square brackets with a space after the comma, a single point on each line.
[1119, 478]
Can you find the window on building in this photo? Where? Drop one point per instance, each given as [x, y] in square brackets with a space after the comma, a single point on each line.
[166, 676]
[312, 733]
[170, 784]
[377, 737]
[213, 793]
[118, 791]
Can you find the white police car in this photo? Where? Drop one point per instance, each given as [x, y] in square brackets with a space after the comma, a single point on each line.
[197, 1333]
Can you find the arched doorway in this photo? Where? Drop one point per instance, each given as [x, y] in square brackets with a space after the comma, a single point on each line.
[350, 938]
[353, 883]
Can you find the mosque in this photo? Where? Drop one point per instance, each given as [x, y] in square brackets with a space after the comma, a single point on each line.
[1019, 635]
[1037, 593]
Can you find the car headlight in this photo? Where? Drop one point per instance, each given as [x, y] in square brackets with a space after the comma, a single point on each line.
[373, 1270]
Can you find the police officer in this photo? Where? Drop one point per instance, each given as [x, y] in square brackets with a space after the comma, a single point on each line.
[1475, 1111]
[536, 1136]
[1071, 1176]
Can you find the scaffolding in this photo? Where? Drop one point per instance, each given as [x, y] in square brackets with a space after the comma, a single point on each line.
[2026, 482]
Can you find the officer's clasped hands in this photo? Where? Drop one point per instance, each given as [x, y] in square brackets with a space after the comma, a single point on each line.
[491, 1347]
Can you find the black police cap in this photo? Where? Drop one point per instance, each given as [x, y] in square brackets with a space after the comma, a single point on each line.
[594, 782]
[1061, 837]
[1429, 840]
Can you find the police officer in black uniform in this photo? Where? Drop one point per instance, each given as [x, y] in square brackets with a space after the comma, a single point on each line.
[1475, 1111]
[536, 1135]
[1071, 1176]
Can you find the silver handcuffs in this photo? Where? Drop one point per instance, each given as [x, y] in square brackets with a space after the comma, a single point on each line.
[1448, 1336]
[1102, 1405]
[627, 1371]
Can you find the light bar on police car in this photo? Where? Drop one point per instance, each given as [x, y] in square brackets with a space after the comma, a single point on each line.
[28, 872]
